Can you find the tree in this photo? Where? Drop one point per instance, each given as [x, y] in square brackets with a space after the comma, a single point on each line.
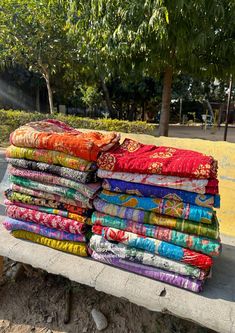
[33, 33]
[159, 36]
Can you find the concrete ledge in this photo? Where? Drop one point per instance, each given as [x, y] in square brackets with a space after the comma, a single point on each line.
[213, 308]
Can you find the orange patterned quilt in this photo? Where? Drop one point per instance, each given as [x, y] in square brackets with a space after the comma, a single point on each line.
[55, 135]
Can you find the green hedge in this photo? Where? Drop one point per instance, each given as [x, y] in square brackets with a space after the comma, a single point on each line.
[12, 119]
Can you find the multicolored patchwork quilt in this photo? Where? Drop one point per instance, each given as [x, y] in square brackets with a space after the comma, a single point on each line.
[181, 183]
[154, 246]
[48, 220]
[150, 272]
[54, 135]
[132, 156]
[100, 245]
[87, 190]
[79, 176]
[141, 216]
[46, 195]
[17, 197]
[205, 245]
[160, 206]
[11, 225]
[64, 213]
[77, 248]
[50, 157]
[144, 190]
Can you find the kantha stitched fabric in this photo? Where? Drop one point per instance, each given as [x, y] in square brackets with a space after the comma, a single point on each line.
[133, 156]
[141, 216]
[100, 245]
[151, 272]
[54, 136]
[46, 195]
[88, 190]
[50, 157]
[77, 248]
[187, 184]
[143, 190]
[205, 245]
[17, 197]
[11, 224]
[79, 176]
[64, 213]
[154, 246]
[160, 206]
[49, 220]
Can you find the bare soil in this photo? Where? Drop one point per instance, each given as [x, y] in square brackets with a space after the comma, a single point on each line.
[36, 302]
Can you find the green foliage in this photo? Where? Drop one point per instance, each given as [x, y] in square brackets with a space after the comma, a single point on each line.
[12, 119]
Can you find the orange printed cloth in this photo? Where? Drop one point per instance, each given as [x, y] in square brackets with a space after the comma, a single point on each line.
[55, 135]
[134, 157]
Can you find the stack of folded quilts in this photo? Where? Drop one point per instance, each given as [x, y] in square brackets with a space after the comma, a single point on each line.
[53, 183]
[155, 214]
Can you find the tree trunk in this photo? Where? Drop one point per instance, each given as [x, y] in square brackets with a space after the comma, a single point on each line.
[143, 112]
[166, 101]
[38, 108]
[49, 91]
[107, 97]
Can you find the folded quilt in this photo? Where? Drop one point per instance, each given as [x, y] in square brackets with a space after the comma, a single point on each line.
[79, 176]
[17, 197]
[160, 206]
[151, 272]
[100, 245]
[50, 157]
[46, 195]
[87, 190]
[64, 213]
[154, 246]
[141, 216]
[11, 224]
[187, 184]
[49, 220]
[144, 190]
[77, 248]
[133, 156]
[54, 135]
[205, 245]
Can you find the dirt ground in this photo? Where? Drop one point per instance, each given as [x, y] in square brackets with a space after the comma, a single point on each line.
[36, 302]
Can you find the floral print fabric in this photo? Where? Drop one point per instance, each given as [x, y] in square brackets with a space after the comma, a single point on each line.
[181, 183]
[54, 135]
[160, 206]
[64, 213]
[132, 156]
[79, 176]
[48, 220]
[53, 189]
[87, 190]
[154, 246]
[143, 190]
[77, 248]
[50, 157]
[17, 197]
[151, 272]
[11, 224]
[141, 216]
[100, 245]
[205, 245]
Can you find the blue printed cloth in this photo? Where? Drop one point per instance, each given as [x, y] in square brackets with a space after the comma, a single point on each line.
[145, 190]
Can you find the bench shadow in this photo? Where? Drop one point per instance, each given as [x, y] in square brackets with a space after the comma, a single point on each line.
[2, 210]
[222, 283]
